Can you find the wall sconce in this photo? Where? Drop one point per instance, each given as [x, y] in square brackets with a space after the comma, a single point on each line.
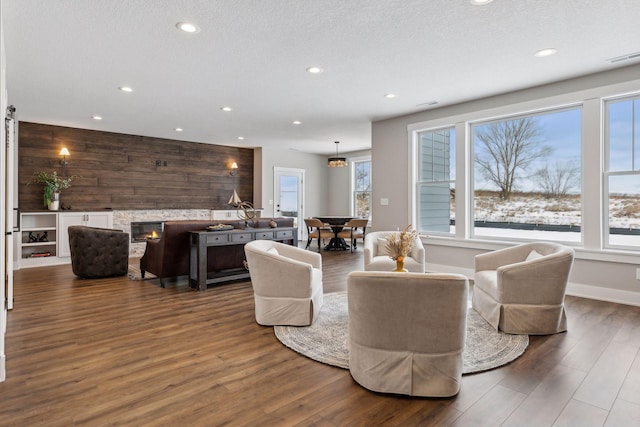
[64, 153]
[232, 168]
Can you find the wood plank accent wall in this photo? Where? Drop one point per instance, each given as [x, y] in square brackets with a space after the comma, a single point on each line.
[119, 171]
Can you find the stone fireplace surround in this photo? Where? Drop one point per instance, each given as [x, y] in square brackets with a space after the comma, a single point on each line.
[122, 221]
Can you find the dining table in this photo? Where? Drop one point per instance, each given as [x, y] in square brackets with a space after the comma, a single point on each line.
[337, 223]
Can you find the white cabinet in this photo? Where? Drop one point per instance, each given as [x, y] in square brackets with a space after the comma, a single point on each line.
[224, 214]
[44, 239]
[89, 219]
[38, 238]
[231, 214]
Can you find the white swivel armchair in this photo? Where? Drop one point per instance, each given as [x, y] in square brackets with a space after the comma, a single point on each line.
[376, 258]
[287, 283]
[520, 289]
[407, 331]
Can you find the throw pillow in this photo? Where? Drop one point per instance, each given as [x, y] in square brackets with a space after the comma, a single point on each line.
[382, 247]
[533, 255]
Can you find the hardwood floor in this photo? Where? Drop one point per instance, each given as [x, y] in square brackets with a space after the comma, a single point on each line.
[123, 352]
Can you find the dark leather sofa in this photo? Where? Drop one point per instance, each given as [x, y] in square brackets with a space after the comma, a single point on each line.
[169, 256]
[98, 252]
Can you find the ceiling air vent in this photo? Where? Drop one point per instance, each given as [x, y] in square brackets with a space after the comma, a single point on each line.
[624, 57]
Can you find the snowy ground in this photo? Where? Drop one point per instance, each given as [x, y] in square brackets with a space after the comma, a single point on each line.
[625, 212]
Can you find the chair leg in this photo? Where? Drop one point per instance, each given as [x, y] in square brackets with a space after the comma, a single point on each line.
[308, 243]
[161, 282]
[353, 245]
[319, 242]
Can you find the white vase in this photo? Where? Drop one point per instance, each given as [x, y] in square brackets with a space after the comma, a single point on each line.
[54, 205]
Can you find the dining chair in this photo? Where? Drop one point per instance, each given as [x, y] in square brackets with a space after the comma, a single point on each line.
[354, 229]
[316, 230]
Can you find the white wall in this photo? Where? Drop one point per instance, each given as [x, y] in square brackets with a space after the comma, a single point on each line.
[339, 180]
[607, 275]
[315, 167]
[3, 210]
[328, 190]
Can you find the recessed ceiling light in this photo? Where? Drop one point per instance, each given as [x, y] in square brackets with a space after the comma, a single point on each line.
[297, 122]
[96, 117]
[390, 95]
[241, 138]
[188, 27]
[545, 52]
[126, 88]
[178, 129]
[314, 70]
[480, 2]
[226, 108]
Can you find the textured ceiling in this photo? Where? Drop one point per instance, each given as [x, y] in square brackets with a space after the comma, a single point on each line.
[66, 59]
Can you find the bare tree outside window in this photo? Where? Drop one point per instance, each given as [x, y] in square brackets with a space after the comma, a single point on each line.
[362, 188]
[527, 177]
[510, 147]
[558, 180]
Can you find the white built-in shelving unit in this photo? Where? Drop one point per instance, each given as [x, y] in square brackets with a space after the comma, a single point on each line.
[44, 239]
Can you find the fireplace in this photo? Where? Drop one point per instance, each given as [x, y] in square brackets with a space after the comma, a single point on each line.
[145, 230]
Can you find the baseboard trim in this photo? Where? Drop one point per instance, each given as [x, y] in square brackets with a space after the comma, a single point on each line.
[574, 289]
[604, 294]
[3, 371]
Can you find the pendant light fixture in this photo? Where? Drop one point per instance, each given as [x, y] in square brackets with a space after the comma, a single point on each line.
[337, 161]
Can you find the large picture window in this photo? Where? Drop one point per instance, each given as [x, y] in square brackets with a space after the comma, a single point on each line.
[622, 172]
[436, 181]
[527, 177]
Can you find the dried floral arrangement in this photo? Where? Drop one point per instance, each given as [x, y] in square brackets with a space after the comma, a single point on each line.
[400, 244]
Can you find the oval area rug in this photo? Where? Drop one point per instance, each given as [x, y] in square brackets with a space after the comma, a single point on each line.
[326, 340]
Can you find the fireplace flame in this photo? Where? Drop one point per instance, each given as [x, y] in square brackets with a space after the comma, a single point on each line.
[154, 235]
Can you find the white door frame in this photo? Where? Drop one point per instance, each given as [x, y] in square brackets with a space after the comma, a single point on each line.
[300, 173]
[9, 216]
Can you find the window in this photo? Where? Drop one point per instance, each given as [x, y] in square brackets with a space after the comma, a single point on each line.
[622, 173]
[527, 177]
[436, 181]
[362, 188]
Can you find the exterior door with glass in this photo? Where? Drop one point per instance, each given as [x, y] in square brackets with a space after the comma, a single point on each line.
[289, 195]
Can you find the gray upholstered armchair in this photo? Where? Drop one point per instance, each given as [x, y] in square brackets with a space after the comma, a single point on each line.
[407, 331]
[376, 258]
[287, 283]
[98, 252]
[520, 289]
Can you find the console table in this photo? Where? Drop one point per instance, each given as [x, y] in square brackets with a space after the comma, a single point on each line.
[199, 241]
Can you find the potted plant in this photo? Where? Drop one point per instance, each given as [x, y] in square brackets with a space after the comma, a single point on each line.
[53, 185]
